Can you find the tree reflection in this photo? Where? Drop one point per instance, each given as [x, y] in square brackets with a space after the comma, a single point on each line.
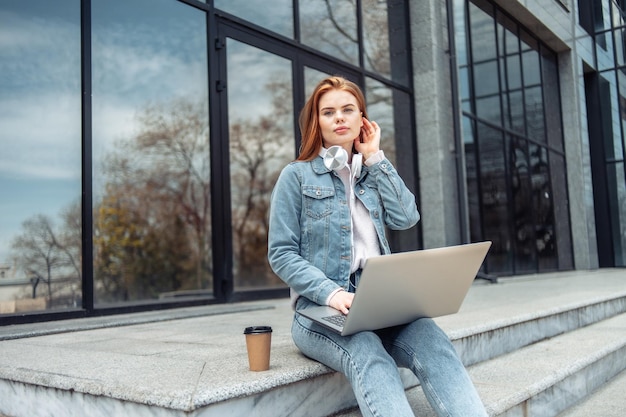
[152, 226]
[259, 148]
[52, 256]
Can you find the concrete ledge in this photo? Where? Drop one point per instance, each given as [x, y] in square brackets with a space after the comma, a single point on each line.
[197, 366]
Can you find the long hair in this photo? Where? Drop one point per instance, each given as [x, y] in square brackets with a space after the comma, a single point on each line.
[309, 116]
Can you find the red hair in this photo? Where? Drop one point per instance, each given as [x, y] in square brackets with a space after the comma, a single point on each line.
[309, 116]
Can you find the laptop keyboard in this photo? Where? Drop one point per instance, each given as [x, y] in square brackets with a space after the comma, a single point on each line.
[337, 319]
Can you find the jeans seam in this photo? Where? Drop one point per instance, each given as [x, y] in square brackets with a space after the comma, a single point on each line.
[424, 380]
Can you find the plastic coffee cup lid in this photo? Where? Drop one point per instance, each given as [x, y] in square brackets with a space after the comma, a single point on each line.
[257, 329]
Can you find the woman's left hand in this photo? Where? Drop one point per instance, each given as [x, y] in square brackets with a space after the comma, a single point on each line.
[369, 141]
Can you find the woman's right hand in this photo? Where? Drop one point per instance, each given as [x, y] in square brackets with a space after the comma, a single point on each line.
[342, 301]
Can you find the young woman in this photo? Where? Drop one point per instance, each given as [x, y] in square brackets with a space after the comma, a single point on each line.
[326, 218]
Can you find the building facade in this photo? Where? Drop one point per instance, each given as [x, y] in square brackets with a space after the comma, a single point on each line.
[141, 138]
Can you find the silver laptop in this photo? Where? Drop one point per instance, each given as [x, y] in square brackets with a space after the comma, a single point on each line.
[399, 288]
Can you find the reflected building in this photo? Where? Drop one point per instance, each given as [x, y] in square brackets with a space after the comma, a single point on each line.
[141, 138]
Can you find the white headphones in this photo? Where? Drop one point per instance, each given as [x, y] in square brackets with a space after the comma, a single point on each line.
[336, 158]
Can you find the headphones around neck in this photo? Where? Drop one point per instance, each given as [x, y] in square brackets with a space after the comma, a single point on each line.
[336, 158]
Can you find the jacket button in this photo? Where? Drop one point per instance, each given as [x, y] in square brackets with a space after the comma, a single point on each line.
[361, 192]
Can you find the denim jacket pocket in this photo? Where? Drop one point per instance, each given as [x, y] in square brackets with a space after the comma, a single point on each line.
[318, 200]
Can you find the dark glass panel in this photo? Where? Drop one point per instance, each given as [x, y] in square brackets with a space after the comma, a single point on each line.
[531, 68]
[460, 31]
[330, 26]
[508, 40]
[617, 209]
[40, 160]
[464, 83]
[488, 108]
[619, 38]
[543, 209]
[275, 15]
[385, 49]
[380, 108]
[515, 117]
[535, 120]
[152, 236]
[486, 78]
[552, 99]
[558, 184]
[613, 142]
[494, 199]
[482, 30]
[523, 214]
[391, 109]
[513, 72]
[622, 117]
[472, 178]
[261, 143]
[311, 78]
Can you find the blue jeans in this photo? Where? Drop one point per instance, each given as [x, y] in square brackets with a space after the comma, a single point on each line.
[370, 361]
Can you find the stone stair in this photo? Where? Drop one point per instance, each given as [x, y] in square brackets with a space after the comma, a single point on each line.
[535, 346]
[548, 363]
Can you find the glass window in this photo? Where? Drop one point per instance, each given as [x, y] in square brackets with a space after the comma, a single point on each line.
[391, 109]
[380, 109]
[522, 213]
[562, 240]
[513, 72]
[531, 68]
[542, 207]
[535, 115]
[330, 26]
[516, 207]
[617, 202]
[311, 78]
[486, 78]
[495, 199]
[488, 108]
[516, 112]
[261, 131]
[151, 173]
[552, 100]
[275, 15]
[385, 49]
[40, 161]
[482, 31]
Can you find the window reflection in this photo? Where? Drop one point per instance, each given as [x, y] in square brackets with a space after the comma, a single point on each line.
[380, 109]
[542, 208]
[385, 49]
[513, 201]
[494, 198]
[482, 32]
[261, 143]
[40, 161]
[311, 78]
[275, 15]
[391, 109]
[330, 26]
[151, 152]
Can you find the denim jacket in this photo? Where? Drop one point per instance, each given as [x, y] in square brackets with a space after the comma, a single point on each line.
[309, 243]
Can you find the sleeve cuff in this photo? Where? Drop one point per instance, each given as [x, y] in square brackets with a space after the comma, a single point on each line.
[376, 158]
[332, 295]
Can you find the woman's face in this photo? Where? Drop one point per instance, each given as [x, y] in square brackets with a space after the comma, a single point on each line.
[339, 118]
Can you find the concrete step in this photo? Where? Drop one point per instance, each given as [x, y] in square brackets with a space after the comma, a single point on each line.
[548, 377]
[194, 363]
[608, 401]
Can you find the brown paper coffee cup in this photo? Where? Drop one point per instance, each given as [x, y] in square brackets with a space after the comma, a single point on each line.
[258, 343]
